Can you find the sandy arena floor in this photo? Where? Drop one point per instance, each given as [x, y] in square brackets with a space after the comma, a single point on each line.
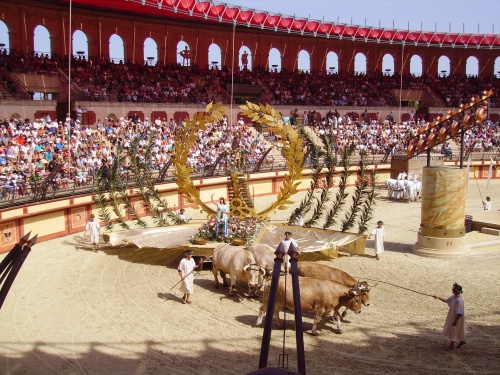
[71, 311]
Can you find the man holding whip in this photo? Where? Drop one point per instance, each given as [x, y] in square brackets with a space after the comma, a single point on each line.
[185, 269]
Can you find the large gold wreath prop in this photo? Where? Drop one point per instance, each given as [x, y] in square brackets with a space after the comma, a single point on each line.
[292, 149]
[185, 141]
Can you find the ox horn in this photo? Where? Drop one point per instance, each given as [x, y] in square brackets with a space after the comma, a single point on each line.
[246, 268]
[262, 270]
[354, 290]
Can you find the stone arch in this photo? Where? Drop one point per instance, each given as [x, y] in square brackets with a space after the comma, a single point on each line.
[388, 64]
[444, 66]
[360, 63]
[304, 61]
[215, 56]
[41, 39]
[416, 65]
[332, 62]
[150, 51]
[183, 53]
[245, 58]
[116, 49]
[80, 44]
[274, 60]
[4, 36]
[472, 66]
[496, 67]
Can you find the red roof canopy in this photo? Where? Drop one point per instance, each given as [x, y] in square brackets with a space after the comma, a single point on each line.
[209, 11]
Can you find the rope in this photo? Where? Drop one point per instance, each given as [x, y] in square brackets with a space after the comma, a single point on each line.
[397, 286]
[481, 195]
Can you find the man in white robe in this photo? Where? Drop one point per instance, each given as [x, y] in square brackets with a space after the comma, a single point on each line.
[454, 327]
[379, 234]
[94, 228]
[185, 269]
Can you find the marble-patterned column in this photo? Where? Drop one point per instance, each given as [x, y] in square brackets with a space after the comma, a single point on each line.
[442, 229]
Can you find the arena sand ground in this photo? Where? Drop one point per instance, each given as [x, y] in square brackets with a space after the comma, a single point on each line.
[71, 311]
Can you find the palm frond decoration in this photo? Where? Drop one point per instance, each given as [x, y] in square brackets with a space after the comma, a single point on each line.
[368, 203]
[340, 198]
[326, 183]
[357, 199]
[309, 200]
[117, 189]
[138, 167]
[102, 202]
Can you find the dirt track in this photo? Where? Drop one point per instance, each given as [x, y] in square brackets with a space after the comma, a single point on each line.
[71, 311]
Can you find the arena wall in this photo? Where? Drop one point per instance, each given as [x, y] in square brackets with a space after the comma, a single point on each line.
[100, 110]
[61, 217]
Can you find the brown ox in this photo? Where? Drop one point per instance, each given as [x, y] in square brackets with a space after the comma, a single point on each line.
[322, 271]
[239, 264]
[316, 295]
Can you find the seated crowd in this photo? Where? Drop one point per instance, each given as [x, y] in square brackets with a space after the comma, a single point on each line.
[29, 150]
[100, 79]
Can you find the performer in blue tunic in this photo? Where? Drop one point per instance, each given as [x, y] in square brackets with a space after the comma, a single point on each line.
[222, 216]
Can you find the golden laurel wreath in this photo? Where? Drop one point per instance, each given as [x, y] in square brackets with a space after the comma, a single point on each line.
[263, 114]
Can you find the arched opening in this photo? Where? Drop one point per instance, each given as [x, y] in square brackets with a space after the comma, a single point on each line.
[116, 49]
[472, 67]
[416, 66]
[245, 58]
[150, 51]
[443, 66]
[4, 37]
[183, 53]
[332, 63]
[304, 62]
[388, 65]
[274, 60]
[360, 63]
[215, 56]
[496, 69]
[41, 41]
[80, 45]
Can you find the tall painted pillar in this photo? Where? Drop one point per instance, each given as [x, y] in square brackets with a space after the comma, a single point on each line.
[442, 228]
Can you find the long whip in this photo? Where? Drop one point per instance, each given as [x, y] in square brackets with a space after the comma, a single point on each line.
[398, 286]
[195, 268]
[481, 195]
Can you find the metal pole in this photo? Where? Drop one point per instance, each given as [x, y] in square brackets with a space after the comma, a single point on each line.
[271, 303]
[299, 331]
[428, 157]
[232, 76]
[462, 146]
[401, 82]
[69, 82]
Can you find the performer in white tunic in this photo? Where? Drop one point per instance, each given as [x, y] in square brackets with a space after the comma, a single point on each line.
[454, 327]
[93, 227]
[185, 269]
[487, 204]
[289, 240]
[379, 234]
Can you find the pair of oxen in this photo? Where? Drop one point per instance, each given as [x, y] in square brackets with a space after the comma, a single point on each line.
[322, 288]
